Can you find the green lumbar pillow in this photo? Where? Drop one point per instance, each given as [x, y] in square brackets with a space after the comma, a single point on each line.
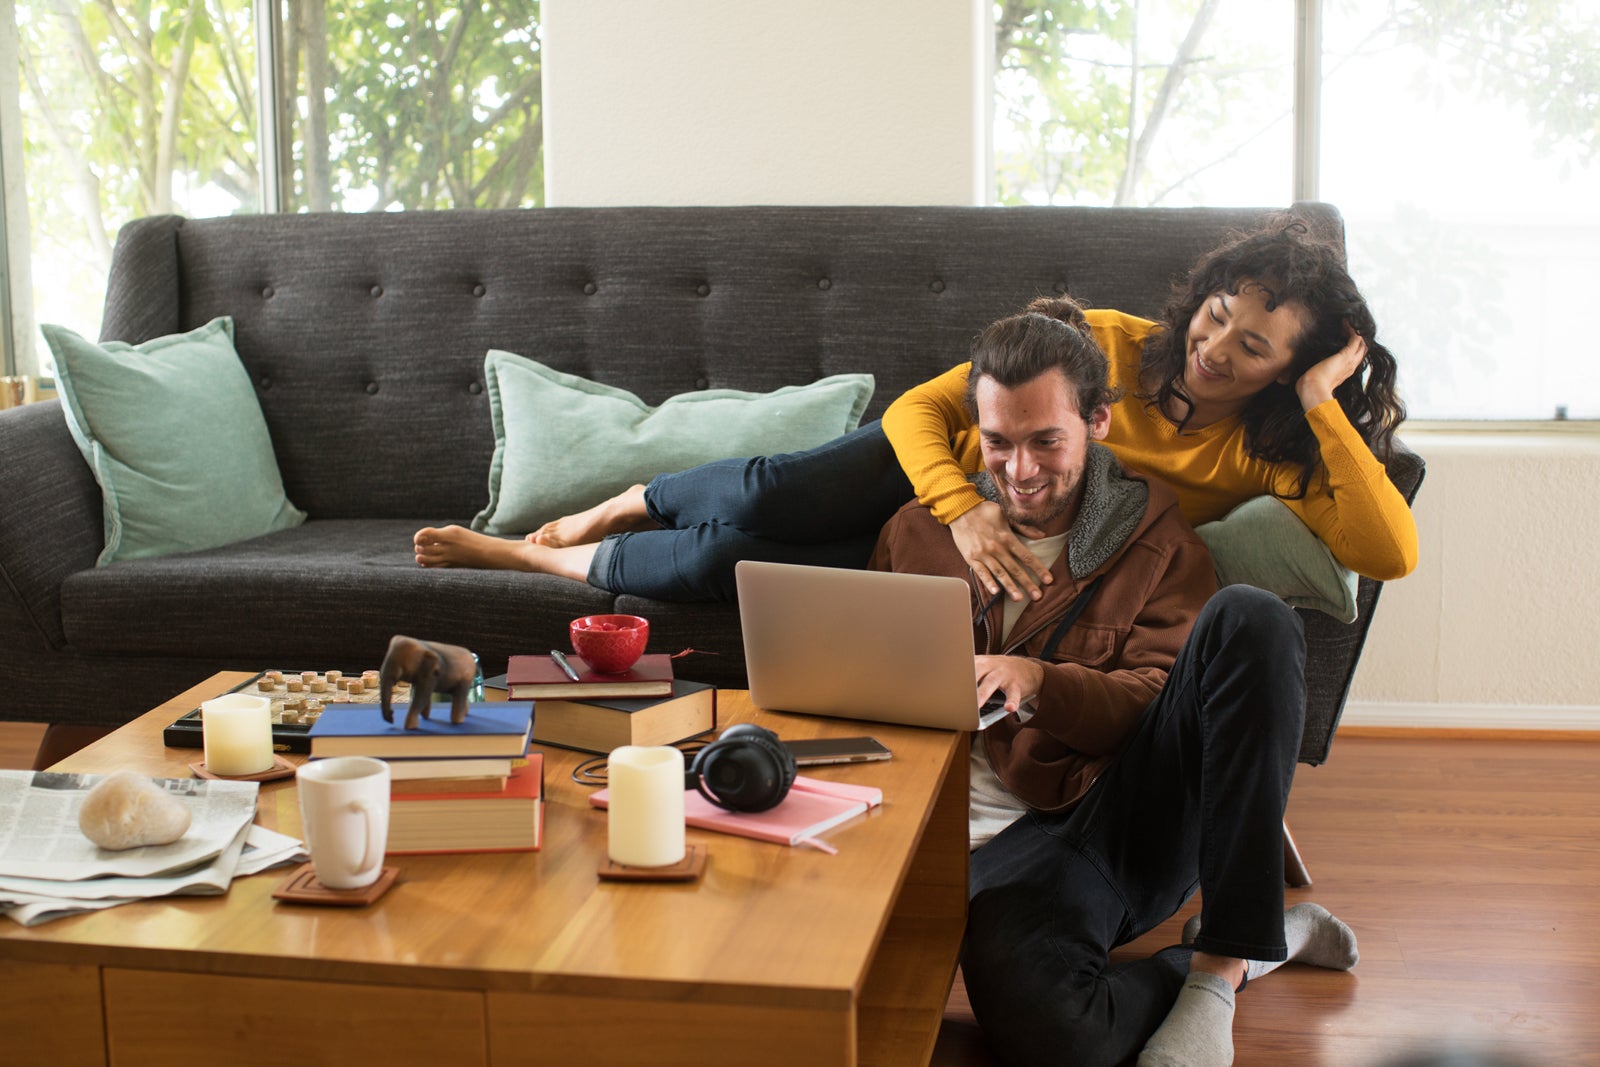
[564, 443]
[1264, 544]
[175, 437]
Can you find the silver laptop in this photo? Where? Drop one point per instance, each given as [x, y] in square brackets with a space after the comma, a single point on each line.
[859, 644]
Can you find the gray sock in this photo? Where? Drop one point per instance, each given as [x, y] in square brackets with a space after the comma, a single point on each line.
[1313, 935]
[1198, 1031]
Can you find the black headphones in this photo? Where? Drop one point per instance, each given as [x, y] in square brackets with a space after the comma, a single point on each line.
[746, 769]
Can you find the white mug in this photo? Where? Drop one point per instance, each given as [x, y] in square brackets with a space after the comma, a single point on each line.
[344, 813]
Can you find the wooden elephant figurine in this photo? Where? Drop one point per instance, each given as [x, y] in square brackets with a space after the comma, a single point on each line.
[428, 666]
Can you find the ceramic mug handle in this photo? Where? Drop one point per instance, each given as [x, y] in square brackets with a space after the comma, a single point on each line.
[364, 806]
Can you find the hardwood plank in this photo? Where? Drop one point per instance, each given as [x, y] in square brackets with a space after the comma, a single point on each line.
[18, 743]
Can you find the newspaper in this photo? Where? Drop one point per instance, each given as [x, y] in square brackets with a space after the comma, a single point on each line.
[48, 869]
[39, 835]
[33, 901]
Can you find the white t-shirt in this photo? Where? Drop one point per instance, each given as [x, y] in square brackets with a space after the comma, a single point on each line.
[991, 807]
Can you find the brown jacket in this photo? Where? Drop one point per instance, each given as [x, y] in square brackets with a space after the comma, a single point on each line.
[1114, 659]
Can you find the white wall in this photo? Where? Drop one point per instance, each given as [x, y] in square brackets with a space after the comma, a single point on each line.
[1499, 626]
[757, 102]
[838, 101]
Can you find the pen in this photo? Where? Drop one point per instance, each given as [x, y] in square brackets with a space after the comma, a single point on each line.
[566, 668]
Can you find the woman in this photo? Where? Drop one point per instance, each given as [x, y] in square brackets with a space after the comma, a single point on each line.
[1250, 385]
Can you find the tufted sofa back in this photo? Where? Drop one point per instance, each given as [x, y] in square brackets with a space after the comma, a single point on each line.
[365, 334]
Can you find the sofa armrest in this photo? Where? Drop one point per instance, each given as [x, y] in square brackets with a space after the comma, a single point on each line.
[144, 288]
[51, 523]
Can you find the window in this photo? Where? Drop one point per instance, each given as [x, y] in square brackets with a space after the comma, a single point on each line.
[127, 110]
[1459, 141]
[1458, 137]
[414, 105]
[1162, 103]
[131, 109]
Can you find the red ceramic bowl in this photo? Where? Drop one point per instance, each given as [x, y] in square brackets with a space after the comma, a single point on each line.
[610, 643]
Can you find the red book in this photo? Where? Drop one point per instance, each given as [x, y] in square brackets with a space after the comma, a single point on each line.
[532, 677]
[508, 819]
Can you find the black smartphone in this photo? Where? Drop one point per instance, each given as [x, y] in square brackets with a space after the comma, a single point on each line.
[809, 753]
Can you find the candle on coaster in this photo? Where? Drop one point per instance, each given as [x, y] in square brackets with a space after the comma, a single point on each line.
[644, 824]
[237, 732]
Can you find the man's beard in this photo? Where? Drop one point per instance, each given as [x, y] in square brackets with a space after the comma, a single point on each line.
[1051, 509]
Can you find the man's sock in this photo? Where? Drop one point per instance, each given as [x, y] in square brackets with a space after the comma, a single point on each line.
[1313, 935]
[1198, 1031]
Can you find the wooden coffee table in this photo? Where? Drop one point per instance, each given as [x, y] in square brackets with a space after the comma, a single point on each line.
[776, 955]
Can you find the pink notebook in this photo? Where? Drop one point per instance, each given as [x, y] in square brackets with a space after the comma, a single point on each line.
[811, 807]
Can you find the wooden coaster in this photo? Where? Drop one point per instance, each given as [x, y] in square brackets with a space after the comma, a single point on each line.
[281, 768]
[685, 870]
[302, 887]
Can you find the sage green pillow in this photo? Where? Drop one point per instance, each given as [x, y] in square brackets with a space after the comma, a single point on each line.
[563, 443]
[175, 437]
[1264, 544]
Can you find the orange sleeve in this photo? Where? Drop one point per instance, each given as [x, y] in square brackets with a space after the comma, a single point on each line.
[936, 442]
[1352, 505]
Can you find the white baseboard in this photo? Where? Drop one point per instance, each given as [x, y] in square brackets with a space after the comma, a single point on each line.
[1473, 716]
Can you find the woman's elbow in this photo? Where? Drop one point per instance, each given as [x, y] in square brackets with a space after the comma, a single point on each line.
[1388, 566]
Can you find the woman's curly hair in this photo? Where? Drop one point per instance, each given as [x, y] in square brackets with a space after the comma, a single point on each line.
[1291, 265]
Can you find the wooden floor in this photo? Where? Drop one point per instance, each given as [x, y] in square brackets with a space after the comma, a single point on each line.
[1470, 872]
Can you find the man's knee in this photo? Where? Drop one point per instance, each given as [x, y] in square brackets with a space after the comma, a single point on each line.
[1256, 617]
[1035, 1006]
[1023, 1026]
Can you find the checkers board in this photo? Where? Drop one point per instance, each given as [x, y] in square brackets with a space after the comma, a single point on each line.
[293, 710]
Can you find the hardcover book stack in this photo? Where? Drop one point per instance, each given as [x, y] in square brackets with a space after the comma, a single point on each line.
[645, 705]
[471, 786]
[507, 819]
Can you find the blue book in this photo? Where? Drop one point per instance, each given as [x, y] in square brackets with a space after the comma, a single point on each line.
[493, 728]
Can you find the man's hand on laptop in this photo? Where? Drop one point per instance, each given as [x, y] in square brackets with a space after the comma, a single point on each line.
[1012, 680]
[996, 554]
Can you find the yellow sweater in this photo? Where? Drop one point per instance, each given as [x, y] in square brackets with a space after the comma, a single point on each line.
[1351, 504]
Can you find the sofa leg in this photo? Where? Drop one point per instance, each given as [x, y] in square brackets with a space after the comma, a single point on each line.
[61, 740]
[1295, 875]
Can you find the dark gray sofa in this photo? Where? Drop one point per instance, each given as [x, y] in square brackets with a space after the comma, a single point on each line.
[366, 335]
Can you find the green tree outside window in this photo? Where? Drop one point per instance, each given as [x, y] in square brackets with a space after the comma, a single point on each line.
[150, 106]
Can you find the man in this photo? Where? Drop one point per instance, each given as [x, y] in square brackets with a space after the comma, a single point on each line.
[1151, 751]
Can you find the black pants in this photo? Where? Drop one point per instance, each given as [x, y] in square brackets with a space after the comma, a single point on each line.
[1195, 800]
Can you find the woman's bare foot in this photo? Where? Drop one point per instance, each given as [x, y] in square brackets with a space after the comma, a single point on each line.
[457, 546]
[623, 513]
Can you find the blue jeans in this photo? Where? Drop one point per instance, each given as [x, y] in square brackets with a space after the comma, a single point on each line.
[1194, 800]
[823, 507]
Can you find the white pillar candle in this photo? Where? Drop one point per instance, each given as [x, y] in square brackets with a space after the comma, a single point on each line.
[237, 729]
[645, 821]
